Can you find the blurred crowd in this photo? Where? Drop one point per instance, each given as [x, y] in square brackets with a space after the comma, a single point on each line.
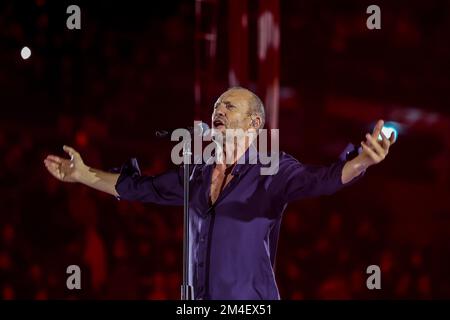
[105, 91]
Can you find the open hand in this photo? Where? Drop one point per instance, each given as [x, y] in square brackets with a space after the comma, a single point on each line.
[67, 170]
[373, 150]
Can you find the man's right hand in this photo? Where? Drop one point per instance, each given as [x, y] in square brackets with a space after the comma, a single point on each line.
[74, 170]
[67, 170]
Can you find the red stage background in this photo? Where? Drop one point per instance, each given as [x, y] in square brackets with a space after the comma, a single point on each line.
[132, 69]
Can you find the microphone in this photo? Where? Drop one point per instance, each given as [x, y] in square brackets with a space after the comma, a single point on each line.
[200, 129]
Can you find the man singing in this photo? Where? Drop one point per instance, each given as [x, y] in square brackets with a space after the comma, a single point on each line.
[235, 210]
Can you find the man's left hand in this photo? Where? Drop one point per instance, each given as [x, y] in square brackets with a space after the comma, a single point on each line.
[373, 150]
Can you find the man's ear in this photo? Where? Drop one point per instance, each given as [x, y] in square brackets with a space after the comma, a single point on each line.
[256, 122]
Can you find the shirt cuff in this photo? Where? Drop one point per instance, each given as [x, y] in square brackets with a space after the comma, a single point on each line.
[129, 169]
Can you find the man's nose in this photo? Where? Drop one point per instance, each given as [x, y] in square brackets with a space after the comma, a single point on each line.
[220, 111]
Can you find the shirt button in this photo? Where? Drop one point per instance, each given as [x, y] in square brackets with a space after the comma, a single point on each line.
[201, 264]
[202, 239]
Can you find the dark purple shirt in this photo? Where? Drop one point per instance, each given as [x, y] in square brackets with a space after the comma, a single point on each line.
[233, 242]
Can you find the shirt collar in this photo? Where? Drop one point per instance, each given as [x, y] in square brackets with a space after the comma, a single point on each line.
[250, 157]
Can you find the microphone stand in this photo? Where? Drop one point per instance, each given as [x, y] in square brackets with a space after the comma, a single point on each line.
[199, 129]
[187, 290]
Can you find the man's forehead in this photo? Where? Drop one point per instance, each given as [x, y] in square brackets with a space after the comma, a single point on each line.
[235, 96]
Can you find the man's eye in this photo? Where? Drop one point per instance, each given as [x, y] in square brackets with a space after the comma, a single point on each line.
[230, 106]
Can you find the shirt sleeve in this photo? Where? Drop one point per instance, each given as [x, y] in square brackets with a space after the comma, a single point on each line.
[303, 180]
[165, 189]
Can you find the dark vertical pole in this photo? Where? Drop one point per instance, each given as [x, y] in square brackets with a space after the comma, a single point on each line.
[186, 287]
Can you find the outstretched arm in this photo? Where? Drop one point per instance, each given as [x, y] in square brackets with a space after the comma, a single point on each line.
[373, 152]
[296, 180]
[74, 170]
[129, 184]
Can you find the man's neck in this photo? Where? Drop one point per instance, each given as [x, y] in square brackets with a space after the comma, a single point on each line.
[235, 152]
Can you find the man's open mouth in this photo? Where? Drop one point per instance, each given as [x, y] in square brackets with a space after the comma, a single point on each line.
[218, 122]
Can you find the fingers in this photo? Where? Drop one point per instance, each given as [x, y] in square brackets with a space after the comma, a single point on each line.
[392, 138]
[376, 146]
[53, 158]
[57, 161]
[385, 141]
[62, 168]
[371, 153]
[54, 168]
[50, 165]
[71, 152]
[377, 129]
[373, 148]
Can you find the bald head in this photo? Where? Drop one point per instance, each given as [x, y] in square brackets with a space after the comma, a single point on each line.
[245, 101]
